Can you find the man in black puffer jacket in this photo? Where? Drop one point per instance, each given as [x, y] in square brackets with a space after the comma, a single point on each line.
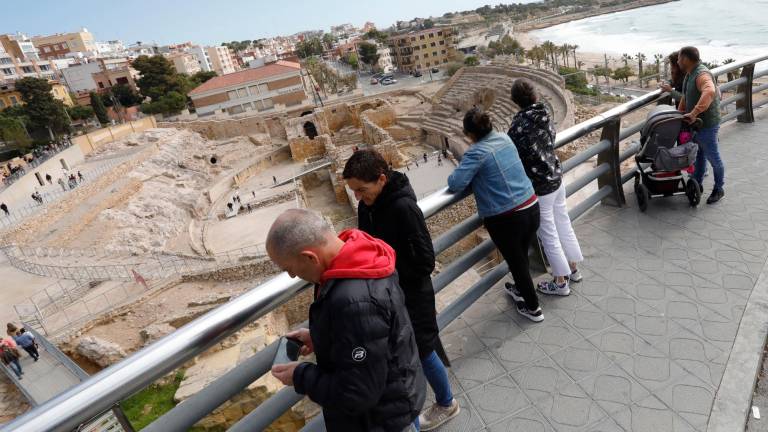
[367, 376]
[388, 210]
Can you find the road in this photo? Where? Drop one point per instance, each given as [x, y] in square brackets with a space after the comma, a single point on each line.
[403, 80]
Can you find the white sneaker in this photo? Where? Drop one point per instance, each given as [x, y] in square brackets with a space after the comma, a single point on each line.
[554, 288]
[436, 415]
[511, 289]
[535, 315]
[575, 276]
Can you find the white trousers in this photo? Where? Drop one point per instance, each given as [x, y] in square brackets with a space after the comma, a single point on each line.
[556, 233]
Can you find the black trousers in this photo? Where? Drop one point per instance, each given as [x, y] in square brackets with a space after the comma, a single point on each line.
[32, 350]
[512, 234]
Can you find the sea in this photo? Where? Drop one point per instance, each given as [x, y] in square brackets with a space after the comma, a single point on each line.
[721, 29]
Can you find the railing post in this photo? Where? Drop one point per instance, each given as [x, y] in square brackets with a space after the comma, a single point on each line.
[747, 72]
[611, 156]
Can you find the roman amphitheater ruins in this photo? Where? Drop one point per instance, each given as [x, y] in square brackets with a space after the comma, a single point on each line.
[171, 218]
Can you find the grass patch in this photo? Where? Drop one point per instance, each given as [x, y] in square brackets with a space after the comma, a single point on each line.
[147, 405]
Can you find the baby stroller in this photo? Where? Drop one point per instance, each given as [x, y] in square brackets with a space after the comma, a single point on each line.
[667, 152]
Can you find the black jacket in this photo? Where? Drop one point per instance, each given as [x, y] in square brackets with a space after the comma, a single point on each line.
[533, 133]
[396, 218]
[368, 375]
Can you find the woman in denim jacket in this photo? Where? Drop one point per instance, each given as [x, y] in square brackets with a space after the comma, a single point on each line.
[505, 201]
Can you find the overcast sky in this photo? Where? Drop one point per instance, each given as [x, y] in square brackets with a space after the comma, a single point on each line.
[211, 21]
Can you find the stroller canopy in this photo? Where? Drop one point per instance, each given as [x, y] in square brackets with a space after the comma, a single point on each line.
[662, 127]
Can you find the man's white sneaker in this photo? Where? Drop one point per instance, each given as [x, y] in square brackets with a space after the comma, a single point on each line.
[436, 415]
[535, 315]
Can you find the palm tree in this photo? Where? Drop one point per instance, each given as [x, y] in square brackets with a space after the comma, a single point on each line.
[626, 58]
[550, 48]
[573, 50]
[640, 58]
[565, 50]
[579, 64]
[658, 58]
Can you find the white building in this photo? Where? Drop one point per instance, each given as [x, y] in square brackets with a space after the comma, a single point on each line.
[201, 54]
[79, 78]
[113, 48]
[385, 59]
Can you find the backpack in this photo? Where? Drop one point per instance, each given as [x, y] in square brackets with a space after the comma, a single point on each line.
[8, 354]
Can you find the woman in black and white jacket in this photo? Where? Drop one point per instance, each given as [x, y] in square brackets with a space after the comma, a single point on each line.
[533, 133]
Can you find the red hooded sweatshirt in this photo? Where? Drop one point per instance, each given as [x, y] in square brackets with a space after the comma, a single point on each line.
[361, 257]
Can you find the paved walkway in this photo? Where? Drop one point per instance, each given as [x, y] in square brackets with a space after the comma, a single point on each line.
[45, 378]
[642, 343]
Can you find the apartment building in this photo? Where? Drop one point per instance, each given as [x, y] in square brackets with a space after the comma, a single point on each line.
[59, 45]
[80, 78]
[9, 96]
[221, 60]
[185, 63]
[203, 59]
[19, 46]
[269, 88]
[422, 49]
[13, 67]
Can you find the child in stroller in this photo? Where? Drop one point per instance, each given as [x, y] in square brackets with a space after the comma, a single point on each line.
[666, 152]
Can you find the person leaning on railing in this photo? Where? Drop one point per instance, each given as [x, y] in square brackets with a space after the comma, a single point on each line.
[368, 376]
[533, 133]
[505, 200]
[388, 210]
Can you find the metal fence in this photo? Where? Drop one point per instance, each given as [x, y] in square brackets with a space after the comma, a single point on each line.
[18, 214]
[100, 392]
[99, 264]
[36, 162]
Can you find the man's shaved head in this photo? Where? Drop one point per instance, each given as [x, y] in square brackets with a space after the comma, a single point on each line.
[299, 242]
[298, 229]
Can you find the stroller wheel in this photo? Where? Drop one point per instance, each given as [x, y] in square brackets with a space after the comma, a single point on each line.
[643, 196]
[693, 192]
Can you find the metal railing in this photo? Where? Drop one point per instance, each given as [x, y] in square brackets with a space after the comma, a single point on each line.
[100, 392]
[20, 213]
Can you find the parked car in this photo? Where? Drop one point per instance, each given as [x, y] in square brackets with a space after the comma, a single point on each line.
[417, 73]
[386, 76]
[388, 81]
[374, 80]
[435, 70]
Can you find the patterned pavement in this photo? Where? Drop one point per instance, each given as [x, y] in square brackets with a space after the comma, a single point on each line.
[641, 344]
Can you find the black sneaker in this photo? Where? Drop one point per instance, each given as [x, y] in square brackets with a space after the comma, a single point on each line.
[716, 196]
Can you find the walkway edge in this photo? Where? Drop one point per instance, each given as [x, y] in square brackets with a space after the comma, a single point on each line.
[734, 396]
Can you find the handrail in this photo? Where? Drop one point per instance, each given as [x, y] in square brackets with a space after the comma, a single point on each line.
[103, 390]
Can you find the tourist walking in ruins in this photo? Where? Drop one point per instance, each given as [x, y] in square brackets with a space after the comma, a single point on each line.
[533, 133]
[12, 330]
[367, 376]
[80, 177]
[62, 184]
[48, 178]
[388, 210]
[425, 158]
[4, 208]
[701, 99]
[505, 200]
[27, 342]
[10, 358]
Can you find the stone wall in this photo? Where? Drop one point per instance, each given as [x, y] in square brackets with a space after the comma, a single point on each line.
[252, 270]
[94, 140]
[269, 160]
[303, 148]
[340, 189]
[228, 128]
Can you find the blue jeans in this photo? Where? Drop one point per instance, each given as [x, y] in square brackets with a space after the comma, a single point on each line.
[15, 367]
[437, 377]
[708, 151]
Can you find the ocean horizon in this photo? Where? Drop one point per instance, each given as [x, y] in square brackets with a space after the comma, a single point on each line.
[720, 29]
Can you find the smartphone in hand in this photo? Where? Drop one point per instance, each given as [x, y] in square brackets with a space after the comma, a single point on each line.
[287, 350]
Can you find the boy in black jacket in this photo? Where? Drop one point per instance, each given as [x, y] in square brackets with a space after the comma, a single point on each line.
[388, 210]
[367, 376]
